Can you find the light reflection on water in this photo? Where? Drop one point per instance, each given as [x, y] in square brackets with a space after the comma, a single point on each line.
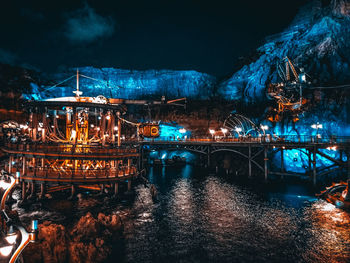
[201, 218]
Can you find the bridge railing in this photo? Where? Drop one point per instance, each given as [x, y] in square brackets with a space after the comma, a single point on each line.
[264, 139]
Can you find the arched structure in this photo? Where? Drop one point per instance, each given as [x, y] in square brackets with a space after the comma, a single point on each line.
[243, 126]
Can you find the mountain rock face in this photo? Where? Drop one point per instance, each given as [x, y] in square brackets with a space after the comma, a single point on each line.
[318, 40]
[133, 84]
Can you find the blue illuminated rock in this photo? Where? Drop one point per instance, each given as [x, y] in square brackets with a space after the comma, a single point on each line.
[317, 40]
[133, 84]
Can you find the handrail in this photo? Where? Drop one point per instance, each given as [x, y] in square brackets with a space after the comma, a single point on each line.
[68, 149]
[112, 172]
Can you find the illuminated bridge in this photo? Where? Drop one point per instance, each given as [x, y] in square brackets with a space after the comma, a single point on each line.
[257, 152]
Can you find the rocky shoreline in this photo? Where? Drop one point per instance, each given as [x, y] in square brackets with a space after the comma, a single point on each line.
[89, 240]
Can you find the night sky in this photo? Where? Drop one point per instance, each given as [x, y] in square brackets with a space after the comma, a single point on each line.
[207, 36]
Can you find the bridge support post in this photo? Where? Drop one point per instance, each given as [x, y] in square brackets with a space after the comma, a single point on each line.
[23, 165]
[129, 185]
[265, 163]
[116, 189]
[24, 190]
[72, 192]
[314, 177]
[282, 161]
[310, 163]
[32, 190]
[42, 191]
[250, 160]
[140, 163]
[10, 163]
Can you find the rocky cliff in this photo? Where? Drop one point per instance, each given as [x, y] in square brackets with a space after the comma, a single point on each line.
[132, 84]
[318, 40]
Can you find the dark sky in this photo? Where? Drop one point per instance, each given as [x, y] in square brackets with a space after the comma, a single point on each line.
[208, 36]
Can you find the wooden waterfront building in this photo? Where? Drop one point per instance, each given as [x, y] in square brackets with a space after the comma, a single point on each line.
[69, 143]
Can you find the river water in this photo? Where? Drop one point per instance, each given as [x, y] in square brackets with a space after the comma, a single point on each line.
[199, 217]
[211, 218]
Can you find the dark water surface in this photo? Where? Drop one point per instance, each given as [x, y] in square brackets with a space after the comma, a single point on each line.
[210, 218]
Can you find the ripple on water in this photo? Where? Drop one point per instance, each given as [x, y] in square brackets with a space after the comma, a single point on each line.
[205, 220]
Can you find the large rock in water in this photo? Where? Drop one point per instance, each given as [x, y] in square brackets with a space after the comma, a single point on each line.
[317, 40]
[133, 84]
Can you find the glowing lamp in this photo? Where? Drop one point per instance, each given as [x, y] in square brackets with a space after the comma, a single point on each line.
[317, 126]
[11, 236]
[34, 225]
[264, 127]
[5, 251]
[73, 134]
[92, 125]
[108, 117]
[182, 130]
[4, 185]
[211, 131]
[116, 128]
[238, 129]
[224, 130]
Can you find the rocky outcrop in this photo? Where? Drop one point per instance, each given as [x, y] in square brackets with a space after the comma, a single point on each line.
[317, 40]
[132, 84]
[90, 240]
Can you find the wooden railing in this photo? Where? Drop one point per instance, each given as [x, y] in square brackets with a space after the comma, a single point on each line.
[69, 149]
[79, 173]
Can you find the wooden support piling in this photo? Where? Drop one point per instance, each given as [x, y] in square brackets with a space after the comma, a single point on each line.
[32, 190]
[24, 190]
[129, 185]
[42, 191]
[282, 160]
[72, 191]
[24, 165]
[116, 189]
[310, 162]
